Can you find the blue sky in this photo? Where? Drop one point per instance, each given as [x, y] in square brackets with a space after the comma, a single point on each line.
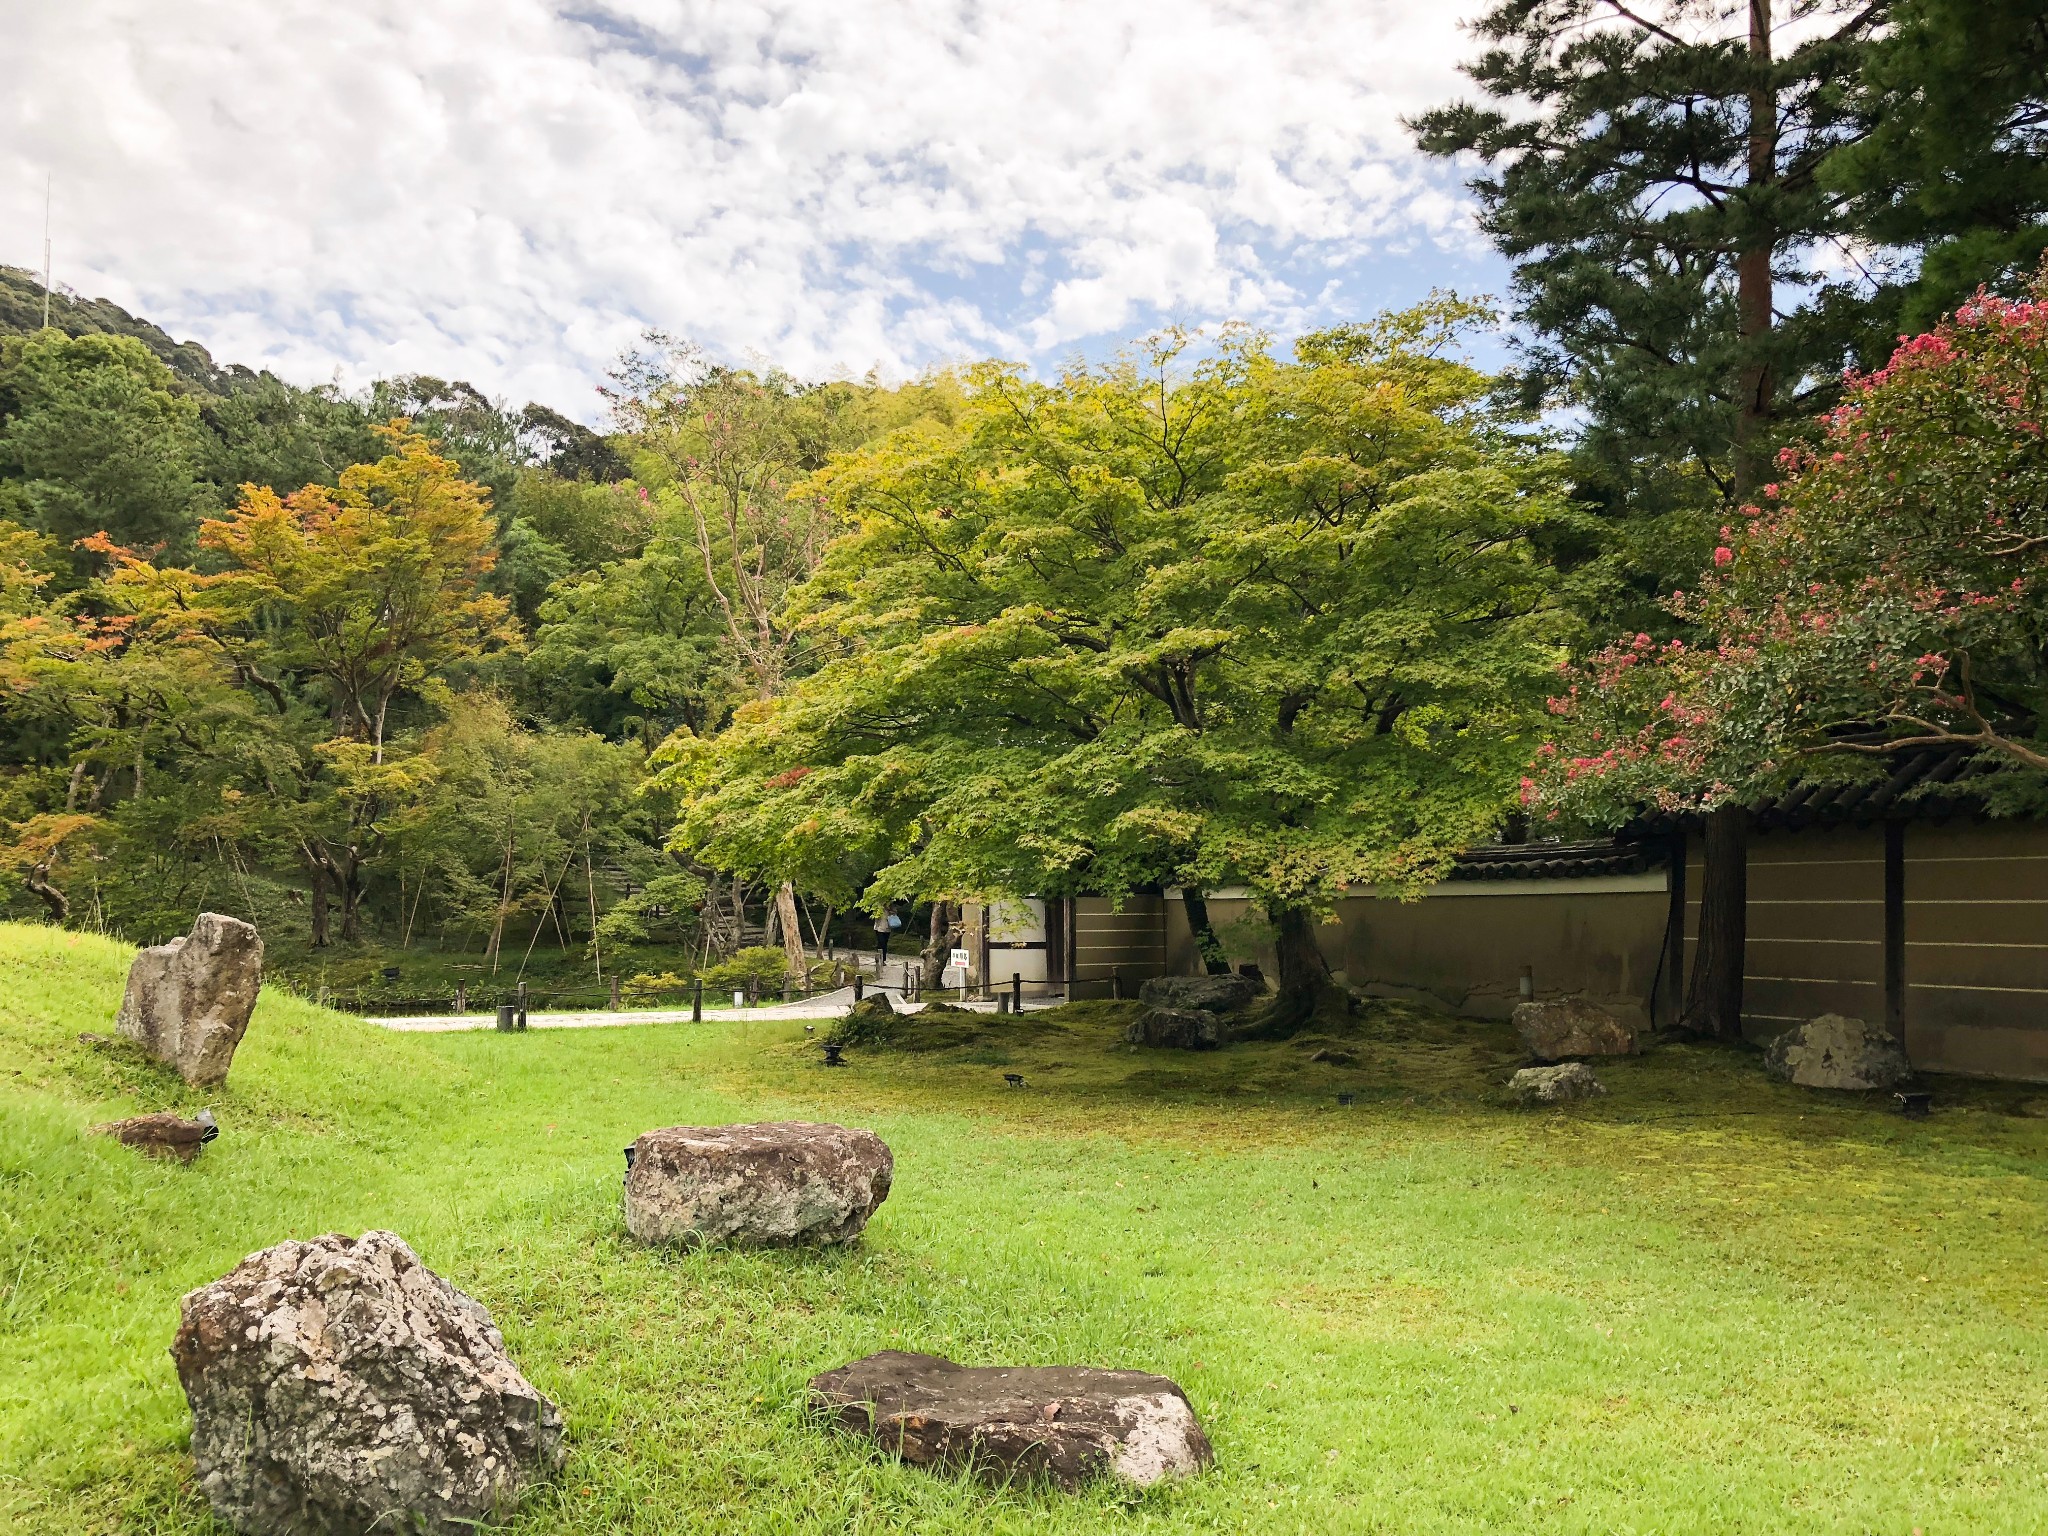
[511, 190]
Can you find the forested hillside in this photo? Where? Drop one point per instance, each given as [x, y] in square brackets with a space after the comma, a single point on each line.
[410, 669]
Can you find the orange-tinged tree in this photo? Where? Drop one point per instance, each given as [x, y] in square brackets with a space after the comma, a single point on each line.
[379, 581]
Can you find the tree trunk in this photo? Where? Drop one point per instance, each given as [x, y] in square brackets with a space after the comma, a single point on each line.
[1304, 992]
[319, 906]
[1208, 948]
[351, 884]
[1713, 998]
[792, 935]
[1753, 284]
[38, 881]
[935, 946]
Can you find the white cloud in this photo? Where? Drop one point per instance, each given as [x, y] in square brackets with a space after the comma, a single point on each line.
[510, 190]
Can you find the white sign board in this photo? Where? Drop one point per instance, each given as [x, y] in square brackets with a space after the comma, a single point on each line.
[957, 961]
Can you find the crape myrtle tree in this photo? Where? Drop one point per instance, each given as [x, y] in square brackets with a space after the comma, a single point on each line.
[1655, 173]
[1238, 619]
[1889, 592]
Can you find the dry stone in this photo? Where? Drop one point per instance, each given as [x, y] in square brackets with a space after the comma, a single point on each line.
[1554, 1085]
[340, 1386]
[772, 1185]
[1558, 1029]
[1833, 1051]
[188, 1001]
[1066, 1423]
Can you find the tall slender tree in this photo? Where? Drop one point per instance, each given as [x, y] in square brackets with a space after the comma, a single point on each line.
[1657, 179]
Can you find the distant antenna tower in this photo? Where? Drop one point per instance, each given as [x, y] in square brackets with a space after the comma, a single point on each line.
[46, 252]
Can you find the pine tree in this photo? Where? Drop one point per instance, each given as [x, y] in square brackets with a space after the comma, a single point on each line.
[1657, 181]
[1955, 161]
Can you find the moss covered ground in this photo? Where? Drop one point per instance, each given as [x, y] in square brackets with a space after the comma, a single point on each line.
[1704, 1303]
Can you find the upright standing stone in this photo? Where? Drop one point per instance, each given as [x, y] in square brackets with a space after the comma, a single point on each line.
[340, 1385]
[189, 1001]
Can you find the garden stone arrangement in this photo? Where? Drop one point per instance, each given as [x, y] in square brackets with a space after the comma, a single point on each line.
[1833, 1051]
[188, 1002]
[341, 1385]
[1558, 1029]
[1190, 1013]
[776, 1184]
[1066, 1423]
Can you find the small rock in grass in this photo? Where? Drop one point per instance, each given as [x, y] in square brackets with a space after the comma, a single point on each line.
[340, 1385]
[772, 1185]
[1833, 1051]
[1066, 1423]
[163, 1134]
[188, 1002]
[1554, 1085]
[1558, 1029]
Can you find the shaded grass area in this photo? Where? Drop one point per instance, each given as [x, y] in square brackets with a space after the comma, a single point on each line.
[1706, 1303]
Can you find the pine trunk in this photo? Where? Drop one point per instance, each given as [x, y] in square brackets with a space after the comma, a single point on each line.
[1713, 999]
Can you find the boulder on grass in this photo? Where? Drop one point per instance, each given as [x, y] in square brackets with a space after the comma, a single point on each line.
[341, 1385]
[1066, 1423]
[1554, 1085]
[188, 1001]
[163, 1134]
[1833, 1051]
[1178, 1029]
[1203, 994]
[1558, 1029]
[772, 1185]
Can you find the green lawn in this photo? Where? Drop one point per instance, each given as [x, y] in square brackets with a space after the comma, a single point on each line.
[1706, 1303]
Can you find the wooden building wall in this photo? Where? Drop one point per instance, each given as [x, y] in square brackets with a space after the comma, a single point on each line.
[1463, 946]
[1816, 926]
[1129, 940]
[1977, 948]
[1974, 974]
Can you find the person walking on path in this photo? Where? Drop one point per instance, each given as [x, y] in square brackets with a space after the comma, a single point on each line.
[886, 923]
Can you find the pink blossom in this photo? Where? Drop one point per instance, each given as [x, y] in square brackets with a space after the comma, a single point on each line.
[1723, 554]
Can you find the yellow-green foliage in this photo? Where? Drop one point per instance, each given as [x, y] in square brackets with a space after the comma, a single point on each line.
[1703, 1304]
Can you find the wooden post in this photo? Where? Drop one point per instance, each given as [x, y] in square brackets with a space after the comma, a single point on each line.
[615, 991]
[1895, 930]
[697, 1002]
[1016, 991]
[462, 997]
[1116, 984]
[857, 977]
[1670, 998]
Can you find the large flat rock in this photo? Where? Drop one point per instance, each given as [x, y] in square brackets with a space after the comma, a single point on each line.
[339, 1385]
[1066, 1423]
[775, 1184]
